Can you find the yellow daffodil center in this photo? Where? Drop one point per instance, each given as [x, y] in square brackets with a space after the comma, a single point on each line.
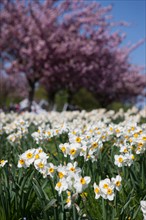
[132, 157]
[135, 135]
[78, 140]
[41, 165]
[130, 140]
[82, 181]
[96, 190]
[59, 184]
[125, 150]
[51, 170]
[72, 151]
[12, 138]
[29, 155]
[61, 175]
[68, 193]
[144, 138]
[140, 144]
[120, 159]
[63, 149]
[37, 156]
[105, 186]
[2, 161]
[94, 145]
[21, 161]
[68, 200]
[72, 169]
[109, 191]
[118, 183]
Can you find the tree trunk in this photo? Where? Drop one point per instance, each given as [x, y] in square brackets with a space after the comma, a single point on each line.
[51, 100]
[31, 95]
[70, 97]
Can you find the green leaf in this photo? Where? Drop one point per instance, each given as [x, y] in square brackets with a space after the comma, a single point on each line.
[51, 203]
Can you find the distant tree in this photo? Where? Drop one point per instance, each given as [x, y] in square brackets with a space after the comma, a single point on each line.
[113, 78]
[12, 87]
[92, 57]
[28, 33]
[67, 45]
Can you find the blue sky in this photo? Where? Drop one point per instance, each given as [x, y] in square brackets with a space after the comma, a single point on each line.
[134, 12]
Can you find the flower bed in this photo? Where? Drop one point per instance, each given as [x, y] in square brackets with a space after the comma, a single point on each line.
[73, 165]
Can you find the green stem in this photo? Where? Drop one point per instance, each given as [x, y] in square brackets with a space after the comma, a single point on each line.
[74, 213]
[63, 209]
[104, 209]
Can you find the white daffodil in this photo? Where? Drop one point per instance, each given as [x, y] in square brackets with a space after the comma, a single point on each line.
[49, 170]
[104, 185]
[40, 165]
[39, 154]
[141, 147]
[119, 160]
[124, 149]
[56, 132]
[74, 138]
[12, 137]
[143, 208]
[29, 156]
[68, 200]
[84, 150]
[3, 162]
[63, 148]
[73, 150]
[72, 168]
[48, 133]
[70, 179]
[62, 172]
[97, 191]
[21, 162]
[37, 136]
[61, 186]
[117, 182]
[110, 193]
[129, 158]
[81, 183]
[107, 189]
